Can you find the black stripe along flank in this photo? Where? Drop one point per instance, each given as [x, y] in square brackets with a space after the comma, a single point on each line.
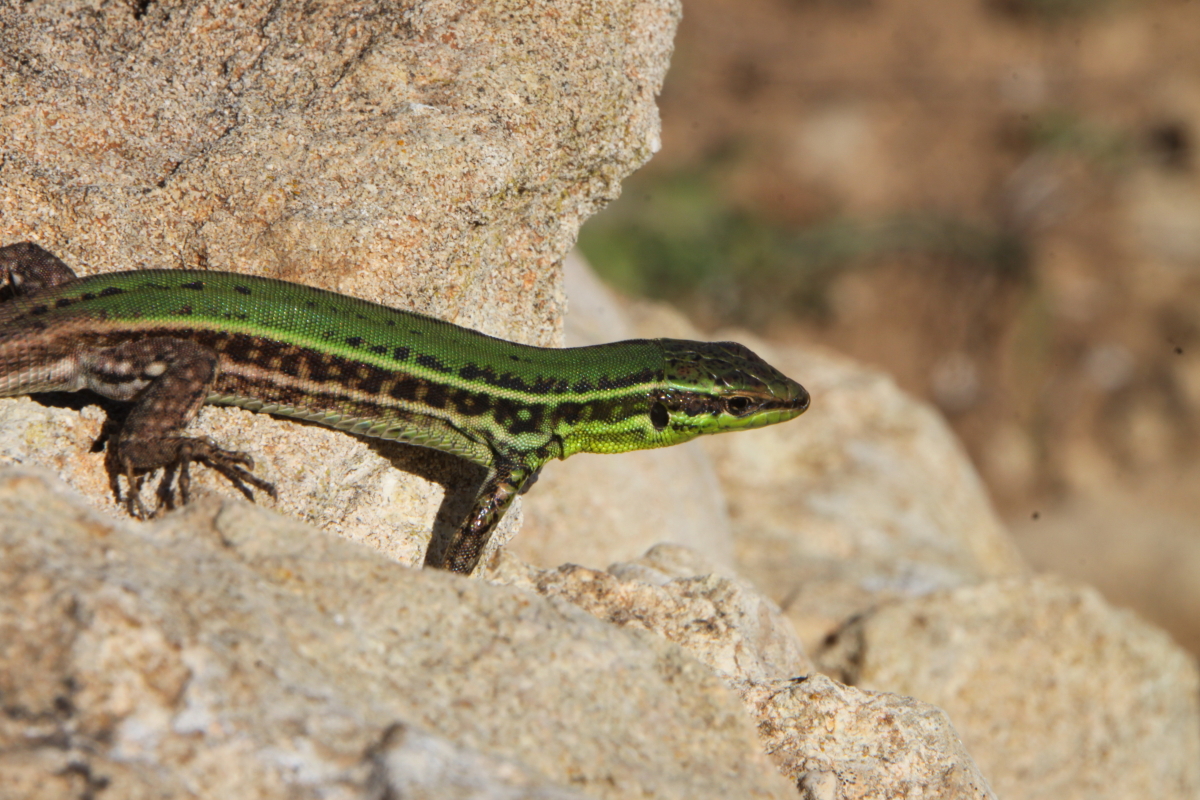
[369, 379]
[269, 392]
[323, 373]
[544, 385]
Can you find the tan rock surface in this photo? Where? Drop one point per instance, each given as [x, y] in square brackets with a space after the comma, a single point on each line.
[671, 591]
[228, 652]
[866, 497]
[841, 743]
[833, 741]
[436, 156]
[1055, 693]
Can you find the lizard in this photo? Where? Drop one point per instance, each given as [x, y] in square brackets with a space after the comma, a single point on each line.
[171, 340]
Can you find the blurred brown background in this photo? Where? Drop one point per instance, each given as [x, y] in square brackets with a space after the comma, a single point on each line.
[996, 201]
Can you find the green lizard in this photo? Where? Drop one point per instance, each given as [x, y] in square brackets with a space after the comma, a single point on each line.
[172, 340]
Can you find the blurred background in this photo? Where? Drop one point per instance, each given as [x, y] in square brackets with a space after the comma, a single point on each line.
[995, 201]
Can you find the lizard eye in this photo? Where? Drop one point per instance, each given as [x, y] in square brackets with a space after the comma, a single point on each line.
[737, 405]
[659, 417]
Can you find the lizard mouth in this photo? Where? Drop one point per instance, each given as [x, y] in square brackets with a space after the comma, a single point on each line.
[801, 401]
[794, 399]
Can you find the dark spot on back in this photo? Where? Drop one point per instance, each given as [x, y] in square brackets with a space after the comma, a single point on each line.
[625, 381]
[242, 289]
[197, 285]
[63, 302]
[379, 349]
[509, 414]
[508, 381]
[289, 363]
[472, 404]
[370, 379]
[405, 388]
[435, 395]
[38, 310]
[433, 363]
[354, 341]
[401, 353]
[569, 413]
[237, 348]
[109, 291]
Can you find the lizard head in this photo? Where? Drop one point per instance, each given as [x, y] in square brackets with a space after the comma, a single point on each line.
[712, 387]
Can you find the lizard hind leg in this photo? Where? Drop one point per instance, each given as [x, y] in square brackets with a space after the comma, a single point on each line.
[27, 268]
[168, 380]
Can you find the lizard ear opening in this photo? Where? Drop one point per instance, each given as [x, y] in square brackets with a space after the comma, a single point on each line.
[659, 417]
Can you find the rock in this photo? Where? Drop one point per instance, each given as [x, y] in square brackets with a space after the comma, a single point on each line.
[232, 649]
[865, 498]
[597, 509]
[841, 743]
[671, 591]
[1056, 694]
[831, 740]
[438, 157]
[419, 766]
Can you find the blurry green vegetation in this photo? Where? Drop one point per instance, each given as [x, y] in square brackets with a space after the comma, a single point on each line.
[675, 239]
[1064, 131]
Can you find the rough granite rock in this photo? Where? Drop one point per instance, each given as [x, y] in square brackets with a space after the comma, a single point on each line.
[672, 591]
[833, 741]
[866, 498]
[436, 156]
[1055, 693]
[230, 652]
[841, 743]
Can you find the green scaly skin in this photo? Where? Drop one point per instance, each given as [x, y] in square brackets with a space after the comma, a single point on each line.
[171, 340]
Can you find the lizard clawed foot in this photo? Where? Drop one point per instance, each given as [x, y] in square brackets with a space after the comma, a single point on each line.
[234, 465]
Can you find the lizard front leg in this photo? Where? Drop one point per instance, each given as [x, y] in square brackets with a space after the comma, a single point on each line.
[505, 480]
[168, 379]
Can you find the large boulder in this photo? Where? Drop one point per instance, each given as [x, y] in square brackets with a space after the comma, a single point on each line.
[231, 652]
[433, 156]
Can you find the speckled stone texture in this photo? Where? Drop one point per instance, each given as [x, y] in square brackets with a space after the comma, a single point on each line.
[841, 743]
[434, 156]
[1056, 693]
[834, 742]
[229, 652]
[868, 498]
